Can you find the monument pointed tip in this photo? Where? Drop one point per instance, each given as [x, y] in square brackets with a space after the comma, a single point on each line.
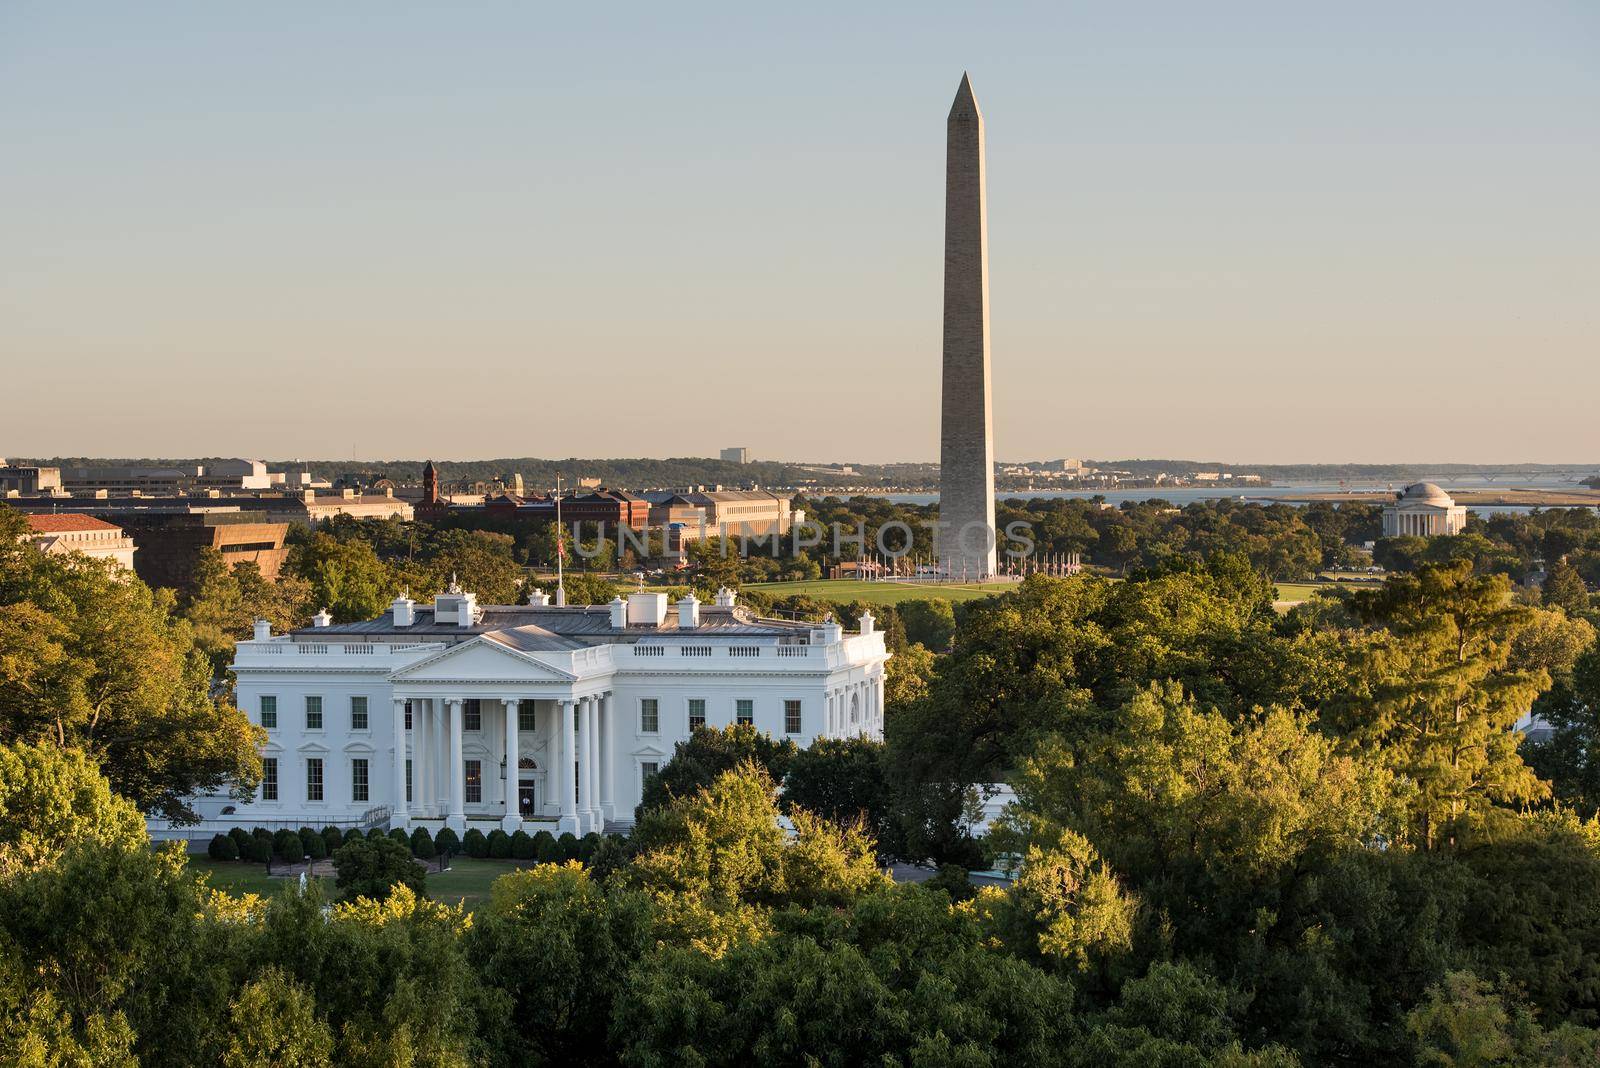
[966, 99]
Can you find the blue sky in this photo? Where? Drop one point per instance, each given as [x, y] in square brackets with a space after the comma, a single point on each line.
[1267, 231]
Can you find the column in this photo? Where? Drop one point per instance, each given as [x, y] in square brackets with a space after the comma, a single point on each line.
[456, 820]
[419, 756]
[439, 739]
[513, 817]
[882, 722]
[397, 810]
[591, 764]
[608, 762]
[564, 769]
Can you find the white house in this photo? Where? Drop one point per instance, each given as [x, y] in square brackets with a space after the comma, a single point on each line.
[529, 716]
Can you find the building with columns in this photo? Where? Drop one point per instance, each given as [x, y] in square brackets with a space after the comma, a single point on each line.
[528, 716]
[1423, 510]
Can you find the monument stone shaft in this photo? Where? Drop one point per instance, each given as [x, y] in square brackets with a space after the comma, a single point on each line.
[966, 442]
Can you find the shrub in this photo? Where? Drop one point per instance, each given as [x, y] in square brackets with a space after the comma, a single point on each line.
[499, 844]
[333, 838]
[373, 834]
[569, 845]
[422, 844]
[522, 846]
[316, 846]
[475, 844]
[293, 850]
[587, 845]
[279, 837]
[260, 833]
[372, 867]
[545, 848]
[446, 843]
[305, 832]
[260, 849]
[241, 839]
[399, 835]
[222, 847]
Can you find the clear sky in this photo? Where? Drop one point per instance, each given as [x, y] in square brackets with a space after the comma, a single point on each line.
[1355, 231]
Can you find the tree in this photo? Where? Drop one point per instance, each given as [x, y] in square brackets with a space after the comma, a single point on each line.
[50, 798]
[1570, 756]
[481, 561]
[1564, 589]
[844, 780]
[375, 867]
[1436, 687]
[931, 623]
[274, 1021]
[557, 948]
[346, 576]
[709, 752]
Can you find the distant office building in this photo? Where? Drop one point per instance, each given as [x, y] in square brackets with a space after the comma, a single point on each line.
[1423, 510]
[735, 513]
[84, 534]
[29, 481]
[169, 481]
[170, 543]
[735, 456]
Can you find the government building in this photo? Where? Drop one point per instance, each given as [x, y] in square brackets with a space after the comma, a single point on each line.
[528, 716]
[1423, 510]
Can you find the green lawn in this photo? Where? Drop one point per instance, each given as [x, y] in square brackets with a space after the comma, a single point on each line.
[467, 881]
[880, 592]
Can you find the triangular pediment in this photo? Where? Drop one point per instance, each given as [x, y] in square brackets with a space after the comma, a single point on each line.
[480, 659]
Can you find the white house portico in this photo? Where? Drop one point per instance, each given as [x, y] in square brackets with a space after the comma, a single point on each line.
[526, 716]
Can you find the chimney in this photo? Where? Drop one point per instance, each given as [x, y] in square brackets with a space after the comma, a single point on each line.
[405, 611]
[647, 609]
[322, 619]
[867, 622]
[263, 630]
[828, 632]
[619, 612]
[726, 597]
[689, 612]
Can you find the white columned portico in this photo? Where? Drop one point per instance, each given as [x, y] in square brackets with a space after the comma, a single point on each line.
[456, 820]
[421, 756]
[398, 816]
[608, 732]
[512, 822]
[439, 762]
[566, 767]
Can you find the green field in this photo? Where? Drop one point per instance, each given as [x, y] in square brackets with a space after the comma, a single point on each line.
[880, 592]
[466, 882]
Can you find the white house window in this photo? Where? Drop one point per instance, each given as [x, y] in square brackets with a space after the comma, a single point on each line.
[408, 780]
[313, 713]
[744, 712]
[358, 779]
[697, 712]
[647, 771]
[474, 782]
[358, 713]
[269, 711]
[269, 778]
[472, 715]
[527, 716]
[649, 715]
[313, 779]
[408, 715]
[791, 717]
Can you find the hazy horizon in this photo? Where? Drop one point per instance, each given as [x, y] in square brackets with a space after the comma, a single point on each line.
[1288, 235]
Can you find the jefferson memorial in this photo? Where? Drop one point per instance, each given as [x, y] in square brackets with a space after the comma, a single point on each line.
[1423, 510]
[530, 716]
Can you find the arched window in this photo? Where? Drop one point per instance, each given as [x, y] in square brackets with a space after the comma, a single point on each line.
[855, 709]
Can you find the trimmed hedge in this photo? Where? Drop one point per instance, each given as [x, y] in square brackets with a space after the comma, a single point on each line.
[260, 849]
[316, 847]
[333, 838]
[222, 847]
[241, 839]
[293, 850]
[279, 838]
[569, 845]
[522, 846]
[587, 845]
[475, 844]
[422, 844]
[546, 848]
[445, 843]
[499, 844]
[400, 836]
[374, 833]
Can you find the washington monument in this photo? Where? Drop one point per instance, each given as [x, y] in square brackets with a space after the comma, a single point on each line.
[966, 441]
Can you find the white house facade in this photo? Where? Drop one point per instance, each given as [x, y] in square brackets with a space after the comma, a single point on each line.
[529, 716]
